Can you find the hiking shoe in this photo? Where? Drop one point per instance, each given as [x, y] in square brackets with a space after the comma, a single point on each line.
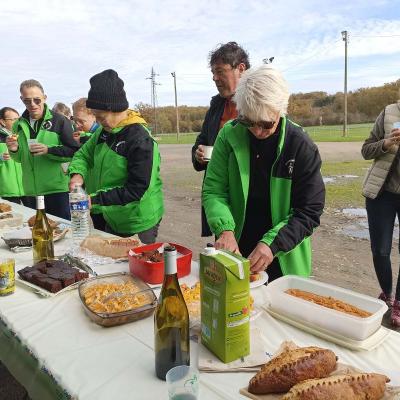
[389, 300]
[396, 314]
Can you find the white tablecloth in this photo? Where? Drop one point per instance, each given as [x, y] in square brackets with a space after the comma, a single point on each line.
[94, 363]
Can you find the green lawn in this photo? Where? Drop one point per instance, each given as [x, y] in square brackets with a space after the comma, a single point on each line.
[334, 133]
[345, 192]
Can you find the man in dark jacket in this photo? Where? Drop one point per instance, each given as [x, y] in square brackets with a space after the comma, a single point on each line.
[227, 64]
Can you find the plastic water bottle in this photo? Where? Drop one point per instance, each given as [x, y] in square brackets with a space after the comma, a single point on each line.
[80, 214]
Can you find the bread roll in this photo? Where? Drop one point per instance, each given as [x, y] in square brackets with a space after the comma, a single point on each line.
[292, 367]
[350, 387]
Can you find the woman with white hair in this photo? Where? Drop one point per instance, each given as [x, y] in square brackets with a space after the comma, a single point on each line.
[263, 193]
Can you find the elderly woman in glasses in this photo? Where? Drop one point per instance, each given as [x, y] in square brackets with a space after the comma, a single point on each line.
[263, 193]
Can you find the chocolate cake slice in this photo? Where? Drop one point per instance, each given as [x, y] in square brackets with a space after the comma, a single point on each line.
[52, 275]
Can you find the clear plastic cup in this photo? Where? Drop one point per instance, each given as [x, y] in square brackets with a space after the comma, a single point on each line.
[208, 152]
[183, 383]
[31, 142]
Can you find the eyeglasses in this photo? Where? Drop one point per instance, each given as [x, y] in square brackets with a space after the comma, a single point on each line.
[10, 119]
[28, 101]
[260, 124]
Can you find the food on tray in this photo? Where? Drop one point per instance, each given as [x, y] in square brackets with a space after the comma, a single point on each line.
[114, 248]
[192, 299]
[152, 256]
[329, 302]
[31, 222]
[351, 387]
[6, 216]
[255, 277]
[292, 367]
[52, 275]
[115, 297]
[4, 207]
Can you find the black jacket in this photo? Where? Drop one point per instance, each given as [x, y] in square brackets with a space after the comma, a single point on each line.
[207, 136]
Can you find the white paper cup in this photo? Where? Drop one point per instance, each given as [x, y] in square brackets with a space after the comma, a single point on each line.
[208, 152]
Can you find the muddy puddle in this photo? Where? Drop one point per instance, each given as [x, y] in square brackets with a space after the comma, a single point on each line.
[357, 224]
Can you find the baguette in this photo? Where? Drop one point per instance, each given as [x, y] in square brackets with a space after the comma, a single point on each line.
[292, 367]
[350, 387]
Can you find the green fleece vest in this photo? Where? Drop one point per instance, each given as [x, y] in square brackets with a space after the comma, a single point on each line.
[10, 176]
[40, 174]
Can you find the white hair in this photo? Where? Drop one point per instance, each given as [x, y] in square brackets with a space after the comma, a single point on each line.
[261, 93]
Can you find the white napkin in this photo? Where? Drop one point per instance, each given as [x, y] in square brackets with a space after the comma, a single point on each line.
[210, 363]
[23, 233]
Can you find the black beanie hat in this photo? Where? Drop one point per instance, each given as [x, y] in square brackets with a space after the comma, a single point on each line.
[107, 92]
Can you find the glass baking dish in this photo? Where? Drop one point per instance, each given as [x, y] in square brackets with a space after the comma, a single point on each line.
[116, 299]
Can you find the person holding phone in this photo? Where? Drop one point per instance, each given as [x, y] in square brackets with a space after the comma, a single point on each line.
[381, 189]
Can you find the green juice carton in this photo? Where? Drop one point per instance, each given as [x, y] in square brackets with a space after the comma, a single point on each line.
[225, 312]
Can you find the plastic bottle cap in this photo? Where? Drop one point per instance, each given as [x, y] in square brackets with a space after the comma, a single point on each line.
[209, 251]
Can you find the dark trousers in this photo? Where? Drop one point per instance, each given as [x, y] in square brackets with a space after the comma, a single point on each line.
[98, 222]
[27, 201]
[57, 204]
[147, 237]
[381, 213]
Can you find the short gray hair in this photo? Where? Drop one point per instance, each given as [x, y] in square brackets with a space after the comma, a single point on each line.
[31, 83]
[261, 92]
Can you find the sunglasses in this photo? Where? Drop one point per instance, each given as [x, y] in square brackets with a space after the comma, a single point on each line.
[28, 101]
[260, 124]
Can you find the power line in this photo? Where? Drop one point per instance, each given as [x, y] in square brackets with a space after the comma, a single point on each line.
[375, 36]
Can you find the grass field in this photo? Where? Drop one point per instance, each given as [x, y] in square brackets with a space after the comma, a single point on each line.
[344, 192]
[334, 133]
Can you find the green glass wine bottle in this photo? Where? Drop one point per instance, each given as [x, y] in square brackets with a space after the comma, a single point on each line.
[171, 321]
[42, 234]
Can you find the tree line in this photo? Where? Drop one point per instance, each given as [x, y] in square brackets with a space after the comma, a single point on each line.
[307, 109]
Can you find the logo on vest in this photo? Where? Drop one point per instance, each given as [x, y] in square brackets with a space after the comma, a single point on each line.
[47, 125]
[290, 166]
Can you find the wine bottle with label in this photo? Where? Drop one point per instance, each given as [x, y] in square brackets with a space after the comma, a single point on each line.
[171, 321]
[42, 234]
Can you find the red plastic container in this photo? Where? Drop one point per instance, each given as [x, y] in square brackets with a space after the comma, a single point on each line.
[153, 272]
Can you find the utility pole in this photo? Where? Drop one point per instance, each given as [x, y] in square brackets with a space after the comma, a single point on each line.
[176, 106]
[153, 82]
[345, 37]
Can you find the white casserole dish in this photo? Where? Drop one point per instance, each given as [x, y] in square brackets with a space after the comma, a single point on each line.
[347, 325]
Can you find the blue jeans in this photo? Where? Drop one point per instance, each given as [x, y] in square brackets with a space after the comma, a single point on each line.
[381, 213]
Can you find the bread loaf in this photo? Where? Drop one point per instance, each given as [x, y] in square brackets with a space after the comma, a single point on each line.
[111, 247]
[292, 367]
[350, 387]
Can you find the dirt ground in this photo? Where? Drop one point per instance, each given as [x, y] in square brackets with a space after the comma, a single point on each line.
[337, 258]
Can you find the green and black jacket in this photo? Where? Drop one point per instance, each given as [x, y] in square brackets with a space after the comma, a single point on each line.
[297, 192]
[10, 172]
[43, 174]
[124, 169]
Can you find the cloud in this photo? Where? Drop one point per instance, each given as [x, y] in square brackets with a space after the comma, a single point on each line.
[63, 44]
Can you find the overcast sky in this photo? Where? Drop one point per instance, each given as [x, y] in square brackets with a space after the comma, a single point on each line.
[64, 43]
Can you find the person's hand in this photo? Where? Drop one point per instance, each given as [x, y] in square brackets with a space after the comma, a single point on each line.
[75, 180]
[12, 142]
[199, 155]
[227, 241]
[5, 157]
[38, 149]
[392, 139]
[260, 258]
[77, 136]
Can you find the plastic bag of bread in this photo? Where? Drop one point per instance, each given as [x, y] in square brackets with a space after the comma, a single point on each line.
[111, 247]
